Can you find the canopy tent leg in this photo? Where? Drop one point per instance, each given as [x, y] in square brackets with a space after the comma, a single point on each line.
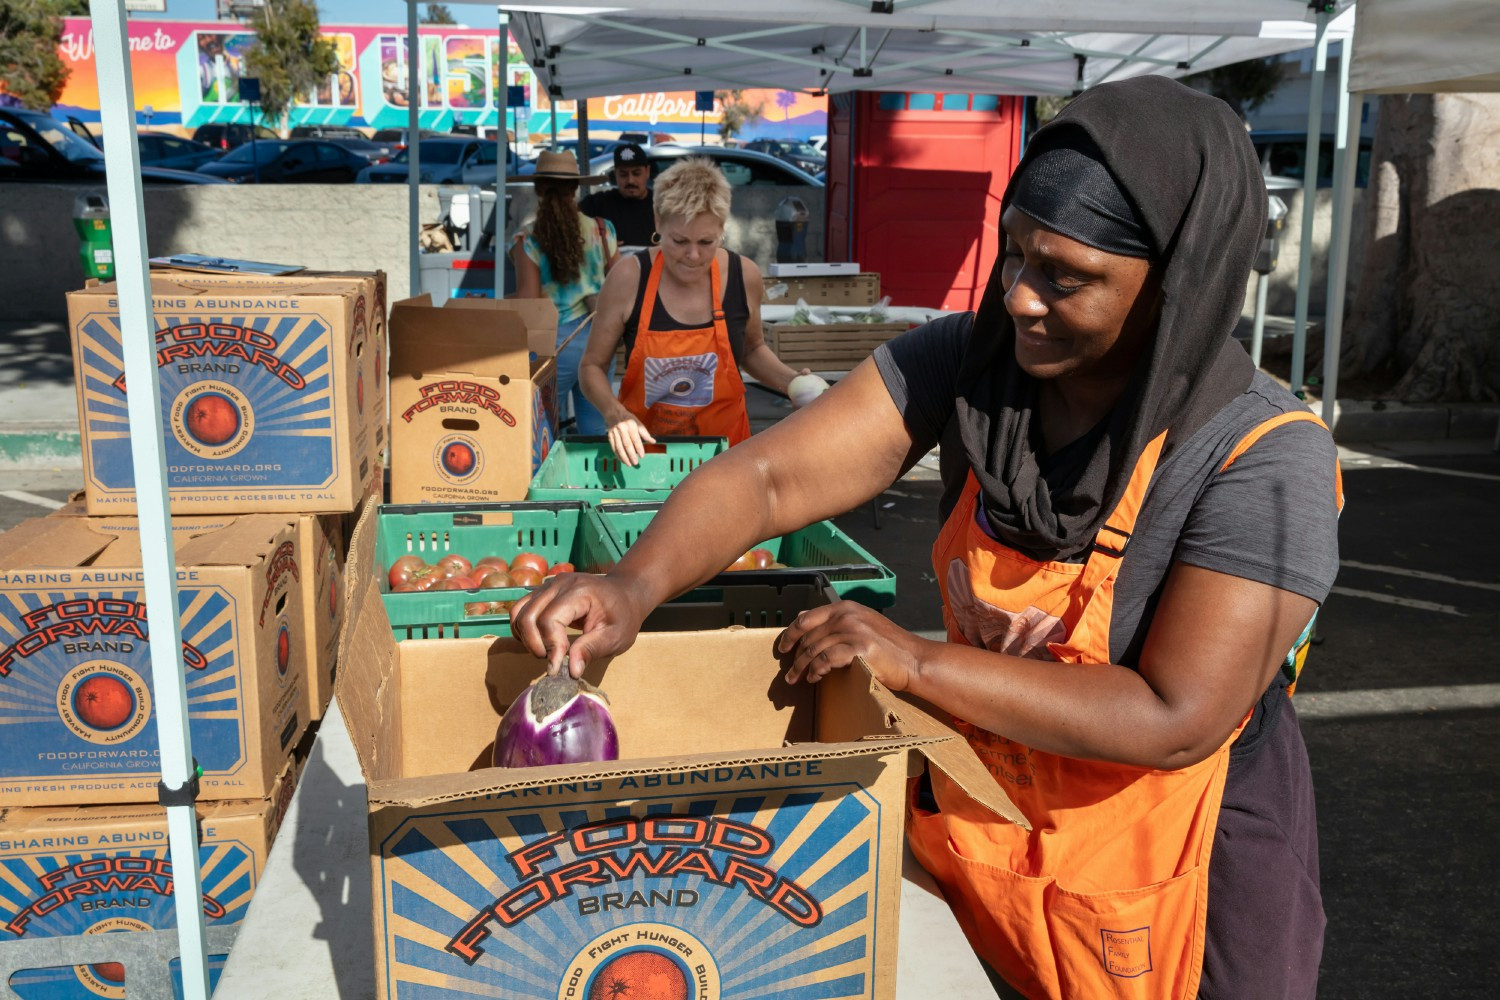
[1338, 245]
[414, 146]
[502, 150]
[1258, 331]
[149, 463]
[1309, 201]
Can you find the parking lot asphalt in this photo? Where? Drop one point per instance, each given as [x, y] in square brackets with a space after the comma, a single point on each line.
[1399, 704]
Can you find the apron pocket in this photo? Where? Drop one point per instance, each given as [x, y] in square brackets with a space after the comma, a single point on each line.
[1142, 944]
[1049, 942]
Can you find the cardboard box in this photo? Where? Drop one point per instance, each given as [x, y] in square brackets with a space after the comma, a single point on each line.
[106, 869]
[833, 290]
[473, 398]
[263, 394]
[75, 670]
[749, 838]
[369, 313]
[828, 347]
[325, 536]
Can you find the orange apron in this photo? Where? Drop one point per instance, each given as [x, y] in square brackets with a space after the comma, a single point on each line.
[685, 381]
[1106, 896]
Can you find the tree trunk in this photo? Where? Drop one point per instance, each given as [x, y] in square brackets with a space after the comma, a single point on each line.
[1425, 308]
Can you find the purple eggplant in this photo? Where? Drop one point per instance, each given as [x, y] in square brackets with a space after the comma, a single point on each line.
[557, 720]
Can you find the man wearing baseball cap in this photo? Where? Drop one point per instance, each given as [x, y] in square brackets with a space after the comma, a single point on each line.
[628, 204]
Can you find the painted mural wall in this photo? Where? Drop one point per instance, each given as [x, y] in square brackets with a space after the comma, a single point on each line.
[187, 74]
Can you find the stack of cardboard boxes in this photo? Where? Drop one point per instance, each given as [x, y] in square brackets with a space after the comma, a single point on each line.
[274, 415]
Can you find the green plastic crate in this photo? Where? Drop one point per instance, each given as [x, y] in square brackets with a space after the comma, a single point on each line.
[558, 531]
[756, 602]
[586, 468]
[854, 574]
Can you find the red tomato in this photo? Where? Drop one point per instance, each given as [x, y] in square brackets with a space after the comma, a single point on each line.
[458, 562]
[500, 578]
[562, 567]
[490, 564]
[405, 588]
[762, 558]
[450, 584]
[464, 582]
[476, 608]
[405, 569]
[524, 576]
[528, 559]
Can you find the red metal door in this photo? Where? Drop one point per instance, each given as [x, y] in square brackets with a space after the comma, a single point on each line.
[914, 188]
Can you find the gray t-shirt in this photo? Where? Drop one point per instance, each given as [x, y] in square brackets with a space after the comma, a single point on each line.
[1270, 517]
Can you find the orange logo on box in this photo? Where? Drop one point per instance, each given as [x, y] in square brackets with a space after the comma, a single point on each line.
[1127, 953]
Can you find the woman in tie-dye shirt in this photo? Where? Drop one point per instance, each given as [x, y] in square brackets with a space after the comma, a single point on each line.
[565, 257]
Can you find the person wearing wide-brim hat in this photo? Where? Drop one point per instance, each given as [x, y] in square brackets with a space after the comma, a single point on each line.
[565, 257]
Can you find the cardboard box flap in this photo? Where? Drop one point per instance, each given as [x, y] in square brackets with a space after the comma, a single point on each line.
[367, 656]
[539, 315]
[425, 790]
[53, 541]
[185, 281]
[243, 541]
[425, 339]
[947, 750]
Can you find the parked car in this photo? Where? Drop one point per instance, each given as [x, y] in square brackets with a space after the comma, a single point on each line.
[794, 151]
[373, 152]
[325, 132]
[597, 148]
[396, 138]
[288, 161]
[741, 166]
[1281, 155]
[38, 147]
[820, 143]
[445, 160]
[229, 136]
[163, 149]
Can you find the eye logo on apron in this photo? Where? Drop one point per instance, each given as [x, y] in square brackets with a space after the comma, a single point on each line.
[684, 381]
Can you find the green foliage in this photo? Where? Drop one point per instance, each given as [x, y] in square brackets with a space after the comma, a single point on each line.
[737, 112]
[438, 13]
[31, 71]
[289, 55]
[1244, 86]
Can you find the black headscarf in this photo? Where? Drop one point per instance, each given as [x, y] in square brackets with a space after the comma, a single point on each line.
[1192, 178]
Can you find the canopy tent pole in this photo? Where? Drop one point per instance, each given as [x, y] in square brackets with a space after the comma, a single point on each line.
[178, 788]
[502, 244]
[414, 146]
[1338, 250]
[1309, 200]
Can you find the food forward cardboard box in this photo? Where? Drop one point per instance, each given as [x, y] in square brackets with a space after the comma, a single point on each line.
[473, 398]
[369, 320]
[106, 869]
[263, 391]
[323, 537]
[748, 843]
[75, 669]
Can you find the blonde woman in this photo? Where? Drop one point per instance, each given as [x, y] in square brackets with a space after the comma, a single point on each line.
[565, 257]
[689, 313]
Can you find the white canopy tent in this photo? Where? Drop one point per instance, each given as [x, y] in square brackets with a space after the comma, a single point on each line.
[579, 50]
[1427, 47]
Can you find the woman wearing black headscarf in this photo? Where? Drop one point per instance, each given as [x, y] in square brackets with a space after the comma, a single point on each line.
[1137, 528]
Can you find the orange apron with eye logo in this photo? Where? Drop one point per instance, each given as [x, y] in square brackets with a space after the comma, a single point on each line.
[1106, 895]
[685, 381]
